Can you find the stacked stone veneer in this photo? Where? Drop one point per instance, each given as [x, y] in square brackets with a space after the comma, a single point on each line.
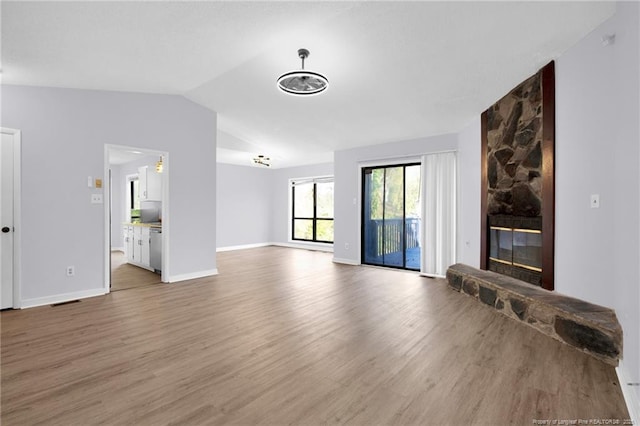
[590, 328]
[514, 152]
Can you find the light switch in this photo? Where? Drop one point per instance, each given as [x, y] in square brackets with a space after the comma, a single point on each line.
[595, 201]
[90, 182]
[96, 198]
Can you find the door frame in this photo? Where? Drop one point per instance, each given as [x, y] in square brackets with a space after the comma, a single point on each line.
[107, 210]
[383, 162]
[17, 217]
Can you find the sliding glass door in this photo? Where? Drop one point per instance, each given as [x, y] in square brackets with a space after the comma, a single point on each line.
[391, 216]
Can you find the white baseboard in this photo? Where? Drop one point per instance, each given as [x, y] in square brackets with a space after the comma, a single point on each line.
[193, 275]
[242, 247]
[631, 394]
[307, 246]
[345, 261]
[424, 274]
[61, 298]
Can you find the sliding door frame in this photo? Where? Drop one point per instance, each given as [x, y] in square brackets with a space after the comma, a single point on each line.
[363, 170]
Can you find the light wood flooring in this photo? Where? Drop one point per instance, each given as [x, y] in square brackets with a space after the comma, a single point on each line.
[285, 336]
[125, 276]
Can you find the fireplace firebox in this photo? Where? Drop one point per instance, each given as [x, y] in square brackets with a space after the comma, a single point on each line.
[515, 247]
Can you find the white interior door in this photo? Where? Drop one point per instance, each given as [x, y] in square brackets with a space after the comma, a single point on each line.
[6, 220]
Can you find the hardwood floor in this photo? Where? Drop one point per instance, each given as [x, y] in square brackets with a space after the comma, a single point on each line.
[125, 276]
[285, 336]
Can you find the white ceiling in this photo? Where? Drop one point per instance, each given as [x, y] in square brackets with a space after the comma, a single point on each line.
[397, 70]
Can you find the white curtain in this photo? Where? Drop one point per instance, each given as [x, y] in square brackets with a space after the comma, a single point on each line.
[438, 213]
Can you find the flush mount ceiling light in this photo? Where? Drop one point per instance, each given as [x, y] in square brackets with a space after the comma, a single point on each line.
[302, 82]
[261, 160]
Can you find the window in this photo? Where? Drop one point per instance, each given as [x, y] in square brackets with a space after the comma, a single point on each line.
[312, 210]
[135, 197]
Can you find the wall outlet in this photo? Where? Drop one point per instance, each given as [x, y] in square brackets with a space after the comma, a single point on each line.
[346, 246]
[96, 198]
[71, 271]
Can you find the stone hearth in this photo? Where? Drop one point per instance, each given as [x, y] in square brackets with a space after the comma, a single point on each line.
[587, 327]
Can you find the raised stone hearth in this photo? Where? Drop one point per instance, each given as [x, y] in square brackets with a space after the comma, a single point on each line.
[589, 328]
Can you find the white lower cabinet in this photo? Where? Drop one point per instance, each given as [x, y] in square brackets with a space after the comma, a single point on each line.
[137, 245]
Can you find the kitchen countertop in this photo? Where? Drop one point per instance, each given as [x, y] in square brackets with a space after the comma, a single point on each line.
[146, 225]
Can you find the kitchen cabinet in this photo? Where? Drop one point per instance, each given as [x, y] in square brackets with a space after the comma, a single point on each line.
[137, 245]
[127, 234]
[149, 184]
[141, 248]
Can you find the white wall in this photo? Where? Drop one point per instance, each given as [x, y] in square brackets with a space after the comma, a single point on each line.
[347, 164]
[598, 152]
[244, 205]
[469, 151]
[281, 215]
[117, 206]
[63, 136]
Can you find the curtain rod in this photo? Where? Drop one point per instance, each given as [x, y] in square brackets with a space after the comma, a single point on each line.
[415, 156]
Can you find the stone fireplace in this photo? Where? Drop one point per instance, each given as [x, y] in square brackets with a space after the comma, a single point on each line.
[518, 181]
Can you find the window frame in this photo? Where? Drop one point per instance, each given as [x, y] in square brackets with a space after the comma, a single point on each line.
[315, 219]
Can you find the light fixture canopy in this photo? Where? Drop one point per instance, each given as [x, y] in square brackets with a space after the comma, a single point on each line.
[303, 82]
[261, 160]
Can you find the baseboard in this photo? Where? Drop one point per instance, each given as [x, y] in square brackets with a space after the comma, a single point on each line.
[117, 249]
[630, 393]
[307, 246]
[424, 274]
[60, 298]
[193, 275]
[345, 261]
[242, 247]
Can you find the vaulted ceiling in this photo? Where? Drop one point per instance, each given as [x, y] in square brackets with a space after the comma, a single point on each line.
[397, 70]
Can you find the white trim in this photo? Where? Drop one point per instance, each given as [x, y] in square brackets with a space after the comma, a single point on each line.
[193, 275]
[17, 216]
[61, 298]
[127, 211]
[424, 274]
[242, 247]
[392, 161]
[166, 223]
[345, 261]
[315, 179]
[631, 396]
[117, 249]
[326, 247]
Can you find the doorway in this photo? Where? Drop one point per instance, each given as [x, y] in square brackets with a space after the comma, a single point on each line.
[391, 207]
[9, 218]
[137, 217]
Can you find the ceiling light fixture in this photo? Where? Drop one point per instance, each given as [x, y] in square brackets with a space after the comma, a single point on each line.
[261, 160]
[302, 82]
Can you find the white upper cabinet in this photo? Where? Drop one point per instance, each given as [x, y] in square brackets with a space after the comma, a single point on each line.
[149, 184]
